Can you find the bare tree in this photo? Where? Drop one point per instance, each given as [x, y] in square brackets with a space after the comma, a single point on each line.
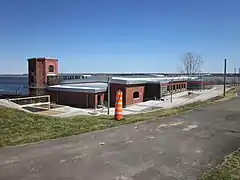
[191, 64]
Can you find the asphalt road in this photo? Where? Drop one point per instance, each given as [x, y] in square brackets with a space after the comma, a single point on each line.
[180, 147]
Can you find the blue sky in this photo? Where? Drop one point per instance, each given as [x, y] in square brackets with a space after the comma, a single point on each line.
[119, 35]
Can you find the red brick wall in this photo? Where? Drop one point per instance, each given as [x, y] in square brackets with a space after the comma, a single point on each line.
[178, 85]
[52, 62]
[185, 85]
[40, 67]
[31, 69]
[72, 99]
[76, 99]
[129, 94]
[40, 72]
[127, 91]
[49, 62]
[114, 88]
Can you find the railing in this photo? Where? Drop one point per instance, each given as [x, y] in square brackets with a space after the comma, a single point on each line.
[32, 101]
[54, 80]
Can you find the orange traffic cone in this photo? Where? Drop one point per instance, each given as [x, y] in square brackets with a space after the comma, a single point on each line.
[118, 106]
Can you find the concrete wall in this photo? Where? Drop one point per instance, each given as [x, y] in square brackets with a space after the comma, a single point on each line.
[164, 91]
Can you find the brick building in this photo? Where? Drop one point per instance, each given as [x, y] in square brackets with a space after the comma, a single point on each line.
[91, 94]
[84, 95]
[136, 90]
[161, 88]
[38, 71]
[133, 92]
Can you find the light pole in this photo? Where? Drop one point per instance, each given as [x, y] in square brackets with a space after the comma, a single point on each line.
[235, 77]
[224, 77]
[171, 90]
[160, 91]
[201, 81]
[238, 76]
[109, 95]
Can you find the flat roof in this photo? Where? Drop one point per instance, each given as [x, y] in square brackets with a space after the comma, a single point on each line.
[42, 58]
[161, 82]
[82, 87]
[130, 80]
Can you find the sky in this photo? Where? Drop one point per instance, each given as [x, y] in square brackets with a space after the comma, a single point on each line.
[119, 35]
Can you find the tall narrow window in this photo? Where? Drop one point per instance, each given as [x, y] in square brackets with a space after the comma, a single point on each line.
[136, 95]
[50, 68]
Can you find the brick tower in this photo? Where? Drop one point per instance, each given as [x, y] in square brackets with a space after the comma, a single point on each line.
[38, 71]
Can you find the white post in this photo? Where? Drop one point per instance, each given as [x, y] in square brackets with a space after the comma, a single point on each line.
[49, 100]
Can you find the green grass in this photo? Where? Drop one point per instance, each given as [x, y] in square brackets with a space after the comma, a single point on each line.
[19, 127]
[228, 170]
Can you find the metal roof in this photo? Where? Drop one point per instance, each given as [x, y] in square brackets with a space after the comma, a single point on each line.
[83, 87]
[157, 82]
[129, 80]
[122, 80]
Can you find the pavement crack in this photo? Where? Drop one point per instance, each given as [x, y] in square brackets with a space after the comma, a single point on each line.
[232, 131]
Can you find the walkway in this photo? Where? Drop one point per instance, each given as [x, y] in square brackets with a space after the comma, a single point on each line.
[180, 98]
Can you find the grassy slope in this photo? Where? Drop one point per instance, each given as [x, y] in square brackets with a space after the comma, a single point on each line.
[19, 127]
[228, 170]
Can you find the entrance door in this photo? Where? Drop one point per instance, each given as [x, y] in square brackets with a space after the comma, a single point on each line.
[99, 101]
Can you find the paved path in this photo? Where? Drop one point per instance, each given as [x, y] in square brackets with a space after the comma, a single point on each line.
[180, 147]
[179, 98]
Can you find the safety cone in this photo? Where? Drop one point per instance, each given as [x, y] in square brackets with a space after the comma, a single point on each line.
[118, 106]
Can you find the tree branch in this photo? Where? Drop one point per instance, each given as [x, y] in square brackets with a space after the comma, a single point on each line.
[192, 64]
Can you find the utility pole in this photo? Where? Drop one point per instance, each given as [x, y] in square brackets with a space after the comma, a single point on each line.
[171, 89]
[235, 77]
[200, 78]
[224, 77]
[109, 95]
[238, 76]
[160, 91]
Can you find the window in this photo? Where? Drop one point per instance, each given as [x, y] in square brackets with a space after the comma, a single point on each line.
[136, 95]
[50, 68]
